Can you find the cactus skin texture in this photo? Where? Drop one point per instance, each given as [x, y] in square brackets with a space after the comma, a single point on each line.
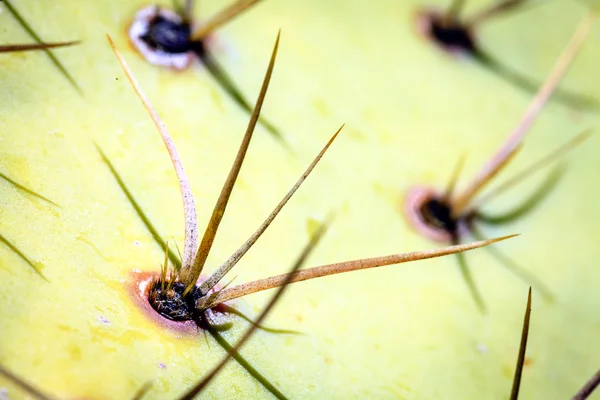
[411, 111]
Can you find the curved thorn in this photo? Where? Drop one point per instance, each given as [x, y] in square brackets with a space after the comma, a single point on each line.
[190, 275]
[224, 327]
[216, 277]
[220, 340]
[515, 139]
[234, 311]
[337, 268]
[191, 221]
[526, 206]
[514, 393]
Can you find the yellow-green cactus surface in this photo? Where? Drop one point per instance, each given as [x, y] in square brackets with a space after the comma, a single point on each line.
[408, 331]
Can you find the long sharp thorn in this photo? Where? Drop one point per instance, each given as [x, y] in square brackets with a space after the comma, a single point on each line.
[287, 279]
[23, 256]
[23, 384]
[216, 277]
[221, 341]
[337, 268]
[536, 166]
[138, 210]
[189, 276]
[514, 393]
[13, 48]
[229, 86]
[260, 378]
[191, 222]
[26, 190]
[39, 40]
[222, 17]
[588, 388]
[515, 139]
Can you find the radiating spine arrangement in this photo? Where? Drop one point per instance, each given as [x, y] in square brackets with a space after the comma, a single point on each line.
[180, 292]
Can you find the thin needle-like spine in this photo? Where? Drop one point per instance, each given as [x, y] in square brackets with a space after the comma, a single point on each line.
[529, 85]
[142, 391]
[235, 311]
[536, 166]
[515, 139]
[188, 10]
[23, 256]
[39, 40]
[467, 276]
[191, 221]
[222, 17]
[462, 201]
[26, 189]
[191, 275]
[171, 279]
[138, 210]
[515, 268]
[13, 48]
[165, 268]
[245, 364]
[337, 268]
[229, 86]
[455, 9]
[27, 387]
[255, 325]
[454, 177]
[216, 277]
[514, 393]
[494, 10]
[588, 388]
